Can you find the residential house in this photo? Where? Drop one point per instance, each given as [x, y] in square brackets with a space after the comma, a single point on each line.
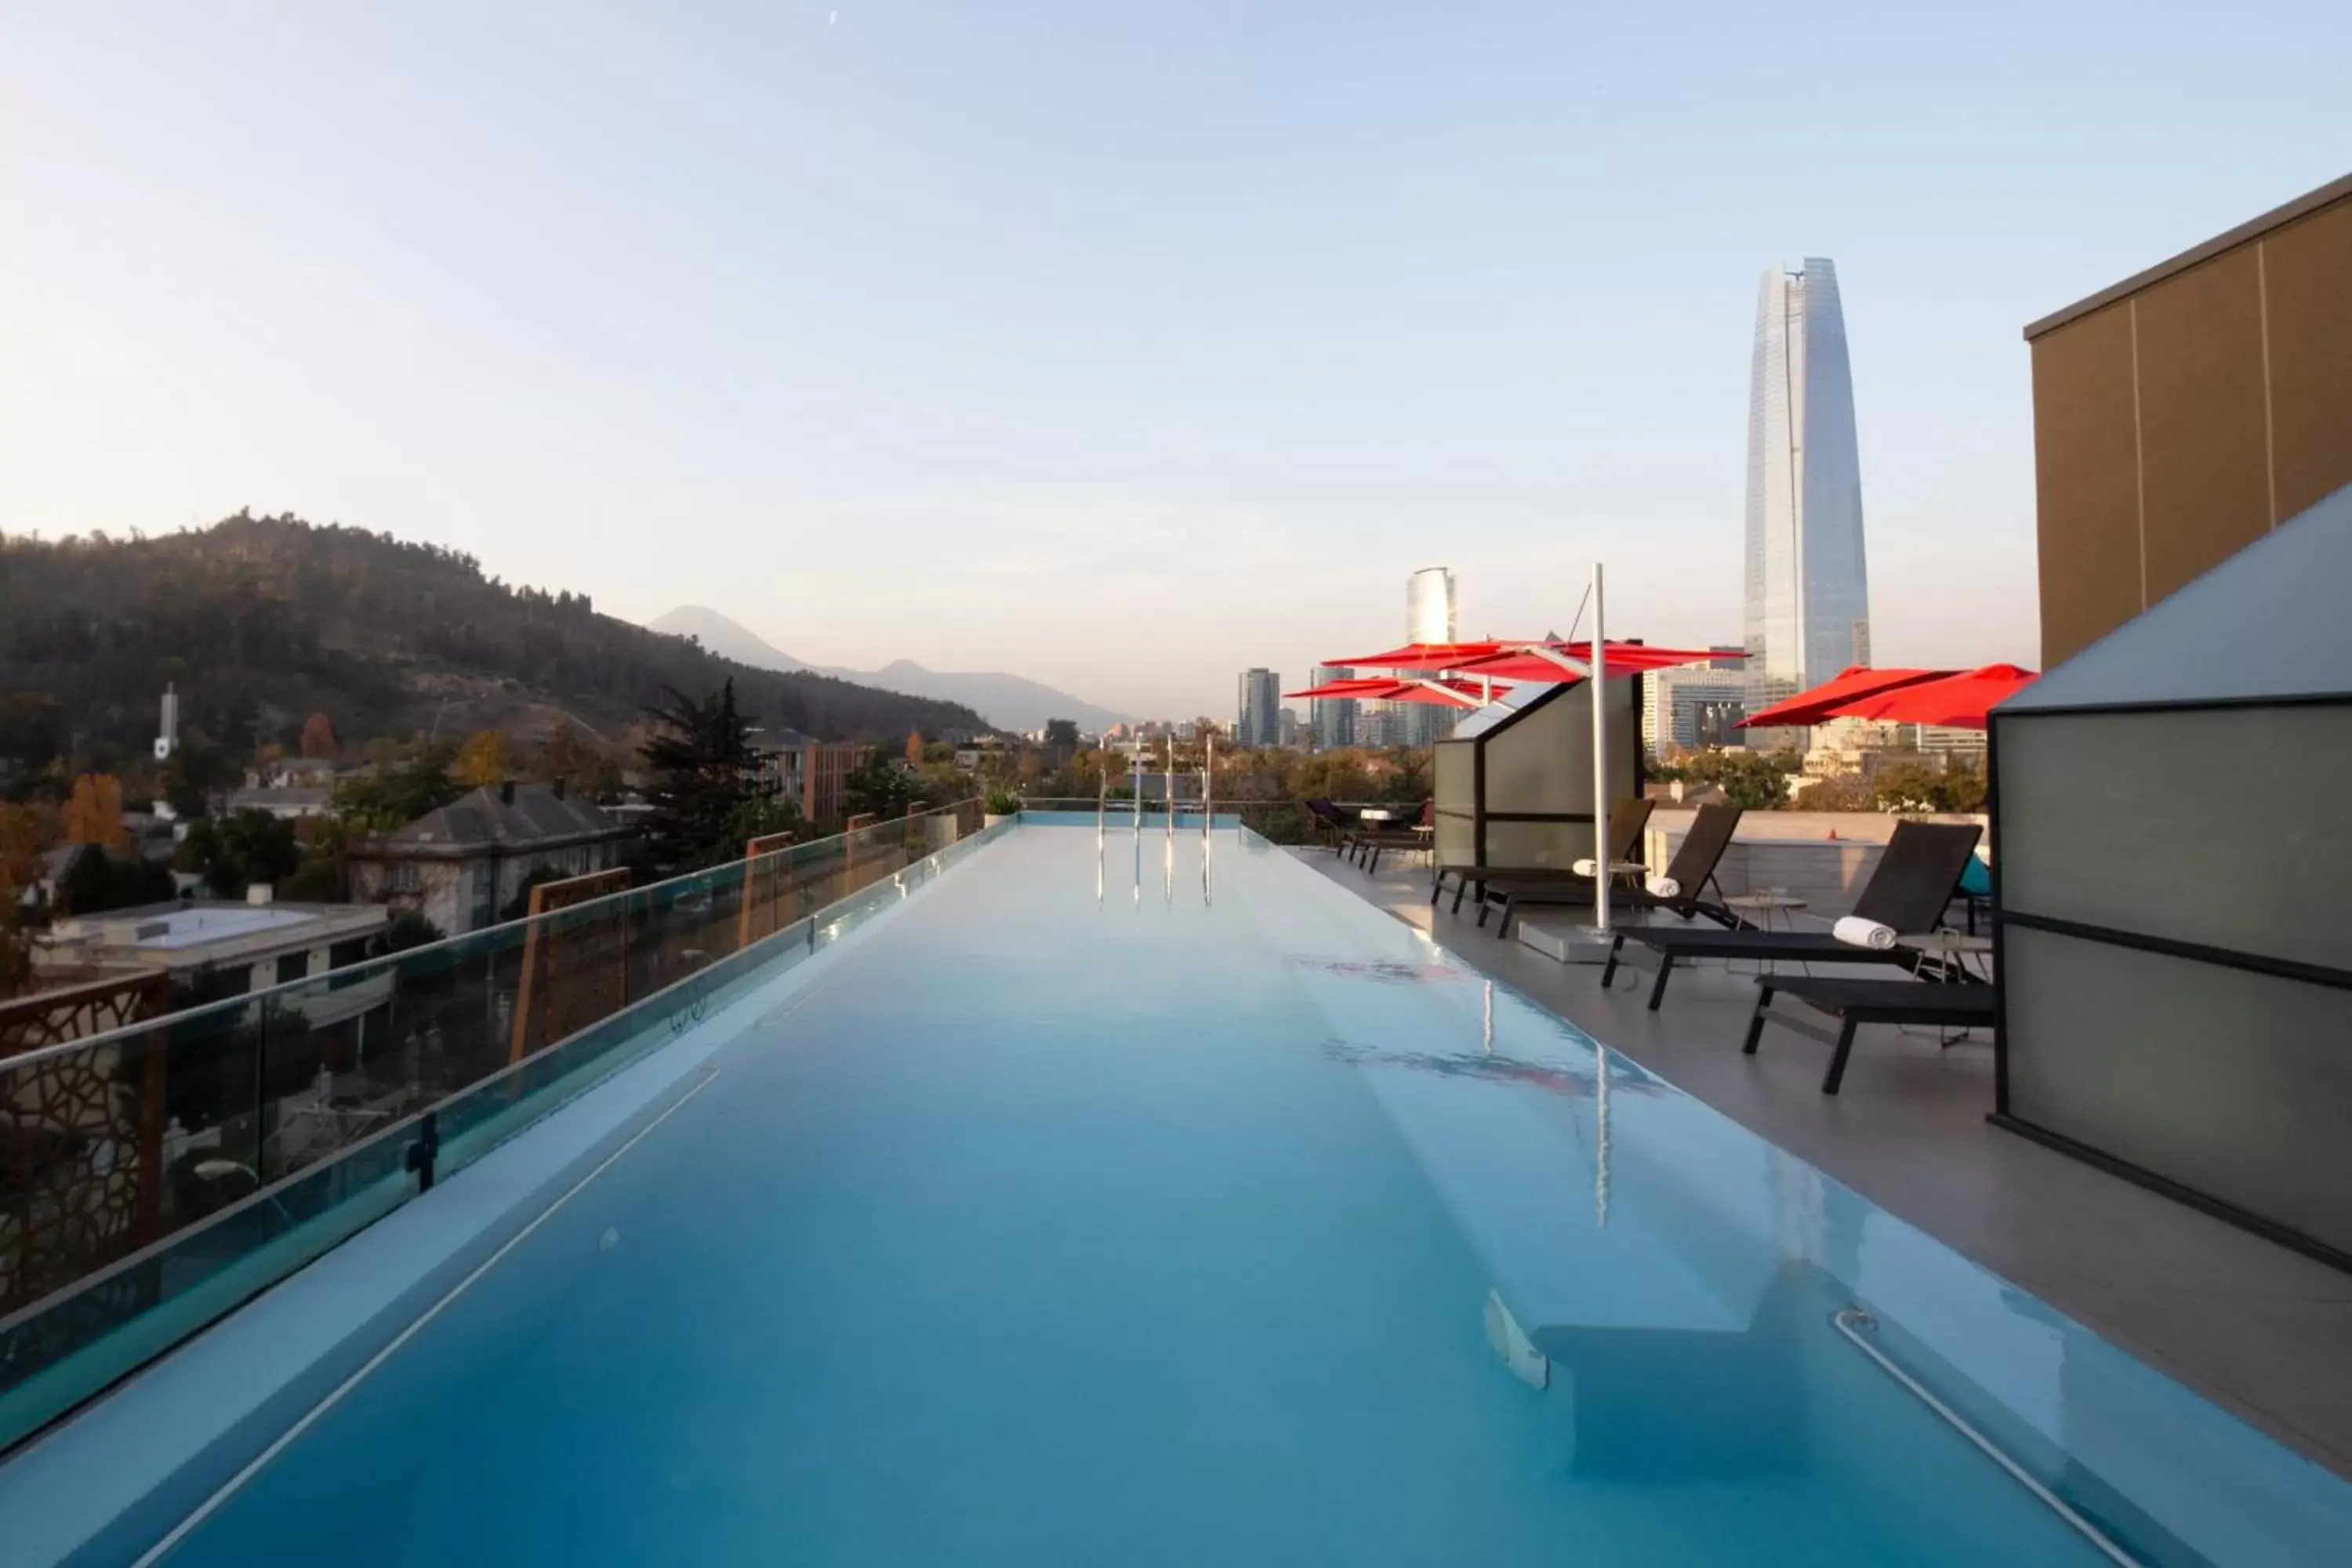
[461, 866]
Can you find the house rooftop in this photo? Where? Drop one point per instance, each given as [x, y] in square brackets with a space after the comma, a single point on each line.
[504, 818]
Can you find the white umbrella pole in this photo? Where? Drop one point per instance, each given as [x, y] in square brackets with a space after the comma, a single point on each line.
[1599, 681]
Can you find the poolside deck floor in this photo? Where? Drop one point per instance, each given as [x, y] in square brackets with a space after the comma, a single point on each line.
[2260, 1329]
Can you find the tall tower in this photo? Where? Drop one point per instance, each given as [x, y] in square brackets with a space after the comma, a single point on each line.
[167, 732]
[1807, 610]
[1430, 616]
[1254, 722]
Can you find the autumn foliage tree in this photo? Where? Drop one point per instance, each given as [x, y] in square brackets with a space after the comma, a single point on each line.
[94, 812]
[482, 760]
[318, 736]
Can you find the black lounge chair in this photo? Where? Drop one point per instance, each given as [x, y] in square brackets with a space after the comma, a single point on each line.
[1627, 817]
[1336, 827]
[1692, 870]
[1367, 842]
[1853, 1003]
[1909, 890]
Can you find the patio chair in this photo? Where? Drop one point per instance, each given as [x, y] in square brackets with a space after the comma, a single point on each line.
[1908, 893]
[1628, 815]
[1691, 872]
[1856, 1001]
[1370, 841]
[1333, 827]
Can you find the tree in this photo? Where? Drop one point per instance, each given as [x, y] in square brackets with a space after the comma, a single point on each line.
[409, 930]
[94, 812]
[878, 784]
[1061, 737]
[25, 833]
[914, 748]
[318, 736]
[1916, 784]
[1752, 781]
[700, 753]
[33, 731]
[194, 773]
[235, 852]
[396, 793]
[482, 760]
[96, 881]
[1850, 792]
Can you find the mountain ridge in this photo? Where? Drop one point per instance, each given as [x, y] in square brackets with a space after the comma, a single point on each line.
[1008, 702]
[261, 622]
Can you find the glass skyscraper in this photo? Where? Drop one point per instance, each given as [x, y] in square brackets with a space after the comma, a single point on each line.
[1430, 616]
[1332, 720]
[1807, 612]
[1254, 722]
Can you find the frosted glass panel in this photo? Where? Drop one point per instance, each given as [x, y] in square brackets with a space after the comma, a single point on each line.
[1561, 844]
[1453, 840]
[2233, 1084]
[1544, 761]
[1456, 775]
[2227, 828]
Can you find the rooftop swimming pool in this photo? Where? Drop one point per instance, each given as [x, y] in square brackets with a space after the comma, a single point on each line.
[1150, 1199]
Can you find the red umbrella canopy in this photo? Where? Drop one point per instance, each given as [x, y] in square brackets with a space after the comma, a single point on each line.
[1959, 702]
[1509, 661]
[1828, 699]
[1380, 689]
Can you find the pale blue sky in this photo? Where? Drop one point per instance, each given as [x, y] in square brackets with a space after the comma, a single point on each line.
[1118, 344]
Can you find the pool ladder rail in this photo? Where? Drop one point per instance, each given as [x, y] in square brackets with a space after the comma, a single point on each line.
[1854, 1321]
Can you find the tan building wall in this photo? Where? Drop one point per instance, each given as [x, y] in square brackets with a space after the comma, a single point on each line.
[2183, 414]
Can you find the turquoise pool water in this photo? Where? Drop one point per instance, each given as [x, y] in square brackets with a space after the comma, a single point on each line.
[1170, 1206]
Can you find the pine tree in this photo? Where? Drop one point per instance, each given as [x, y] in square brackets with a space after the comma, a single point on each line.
[701, 755]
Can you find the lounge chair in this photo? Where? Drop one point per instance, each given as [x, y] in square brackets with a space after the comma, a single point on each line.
[1857, 1002]
[1915, 881]
[1691, 871]
[1336, 827]
[1628, 815]
[1368, 842]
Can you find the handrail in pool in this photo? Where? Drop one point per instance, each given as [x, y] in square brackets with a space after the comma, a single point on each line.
[1851, 1319]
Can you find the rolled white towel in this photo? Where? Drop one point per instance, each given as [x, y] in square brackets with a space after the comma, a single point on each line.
[1859, 932]
[1586, 868]
[1663, 888]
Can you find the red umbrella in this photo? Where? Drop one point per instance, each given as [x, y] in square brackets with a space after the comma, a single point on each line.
[1381, 689]
[1512, 661]
[1829, 700]
[1959, 702]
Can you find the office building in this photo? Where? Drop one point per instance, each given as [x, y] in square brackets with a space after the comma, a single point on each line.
[1331, 720]
[1430, 616]
[1806, 603]
[1692, 708]
[2186, 412]
[1285, 728]
[1255, 721]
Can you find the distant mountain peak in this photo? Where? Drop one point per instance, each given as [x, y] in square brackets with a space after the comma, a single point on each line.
[1008, 702]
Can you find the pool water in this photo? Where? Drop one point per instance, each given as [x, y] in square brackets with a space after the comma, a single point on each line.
[1165, 1204]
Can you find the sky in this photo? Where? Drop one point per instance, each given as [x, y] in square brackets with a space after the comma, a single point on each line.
[1120, 345]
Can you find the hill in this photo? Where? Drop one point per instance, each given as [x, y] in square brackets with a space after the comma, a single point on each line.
[1010, 701]
[261, 622]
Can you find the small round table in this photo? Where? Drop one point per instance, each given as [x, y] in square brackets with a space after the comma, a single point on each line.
[1766, 905]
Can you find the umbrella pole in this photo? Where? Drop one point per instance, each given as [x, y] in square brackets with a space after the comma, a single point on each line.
[1600, 683]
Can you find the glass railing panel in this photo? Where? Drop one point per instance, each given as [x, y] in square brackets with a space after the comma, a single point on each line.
[152, 1178]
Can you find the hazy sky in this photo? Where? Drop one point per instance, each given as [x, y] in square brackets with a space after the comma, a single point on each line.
[1122, 344]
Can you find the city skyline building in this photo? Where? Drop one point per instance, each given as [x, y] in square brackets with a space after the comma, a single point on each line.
[1431, 615]
[1255, 718]
[1331, 721]
[1806, 606]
